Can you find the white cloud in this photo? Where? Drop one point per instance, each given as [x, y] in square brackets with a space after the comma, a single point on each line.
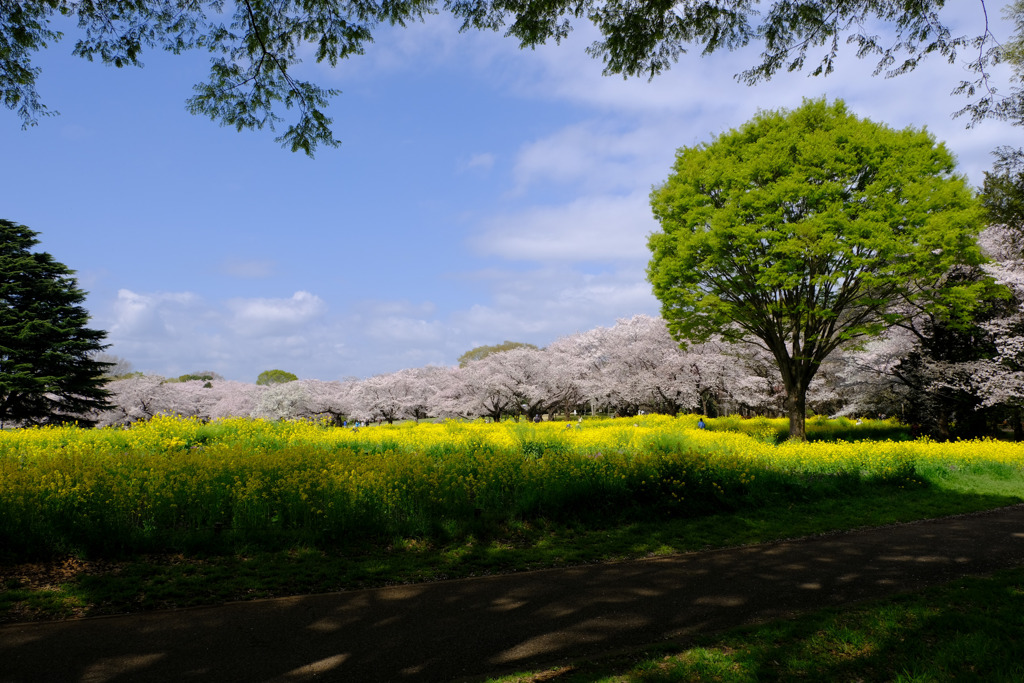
[406, 331]
[261, 317]
[148, 314]
[173, 333]
[594, 228]
[598, 156]
[543, 304]
[433, 43]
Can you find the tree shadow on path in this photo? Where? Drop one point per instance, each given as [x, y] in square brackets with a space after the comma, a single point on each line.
[469, 628]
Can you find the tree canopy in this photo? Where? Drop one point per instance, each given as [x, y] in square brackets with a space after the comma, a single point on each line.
[49, 372]
[1003, 190]
[806, 229]
[256, 48]
[481, 352]
[269, 377]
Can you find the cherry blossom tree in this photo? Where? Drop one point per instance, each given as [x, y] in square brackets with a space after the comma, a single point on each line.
[1001, 378]
[303, 400]
[754, 384]
[456, 396]
[422, 388]
[522, 375]
[935, 370]
[234, 399]
[133, 399]
[642, 368]
[285, 401]
[384, 397]
[870, 378]
[331, 400]
[476, 391]
[732, 378]
[570, 360]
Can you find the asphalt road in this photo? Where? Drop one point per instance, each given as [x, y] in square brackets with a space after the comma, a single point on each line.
[467, 629]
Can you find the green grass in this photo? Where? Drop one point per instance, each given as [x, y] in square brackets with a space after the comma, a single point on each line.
[229, 569]
[968, 630]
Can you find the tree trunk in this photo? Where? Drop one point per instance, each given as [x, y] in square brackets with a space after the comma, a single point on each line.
[1017, 416]
[796, 397]
[943, 424]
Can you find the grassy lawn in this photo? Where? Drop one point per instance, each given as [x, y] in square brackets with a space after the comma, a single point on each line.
[82, 586]
[968, 630]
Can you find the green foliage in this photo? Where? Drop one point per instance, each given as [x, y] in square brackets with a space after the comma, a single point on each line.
[251, 76]
[1003, 190]
[481, 352]
[993, 103]
[269, 377]
[804, 229]
[200, 376]
[774, 225]
[48, 369]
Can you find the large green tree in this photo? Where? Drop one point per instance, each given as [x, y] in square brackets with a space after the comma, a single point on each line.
[49, 372]
[807, 229]
[256, 48]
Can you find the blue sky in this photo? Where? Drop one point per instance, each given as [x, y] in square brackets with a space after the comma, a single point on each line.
[481, 193]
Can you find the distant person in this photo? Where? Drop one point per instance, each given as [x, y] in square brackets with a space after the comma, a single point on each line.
[536, 418]
[700, 423]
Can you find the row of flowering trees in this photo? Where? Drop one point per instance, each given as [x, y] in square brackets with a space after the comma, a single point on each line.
[952, 379]
[630, 367]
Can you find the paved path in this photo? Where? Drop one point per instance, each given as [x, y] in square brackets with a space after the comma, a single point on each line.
[469, 628]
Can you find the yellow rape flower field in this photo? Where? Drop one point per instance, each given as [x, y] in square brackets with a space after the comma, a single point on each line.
[64, 489]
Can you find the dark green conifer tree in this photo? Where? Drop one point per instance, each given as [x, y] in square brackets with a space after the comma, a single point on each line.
[48, 370]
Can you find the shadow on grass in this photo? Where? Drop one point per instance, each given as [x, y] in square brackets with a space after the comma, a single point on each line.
[967, 630]
[240, 570]
[463, 629]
